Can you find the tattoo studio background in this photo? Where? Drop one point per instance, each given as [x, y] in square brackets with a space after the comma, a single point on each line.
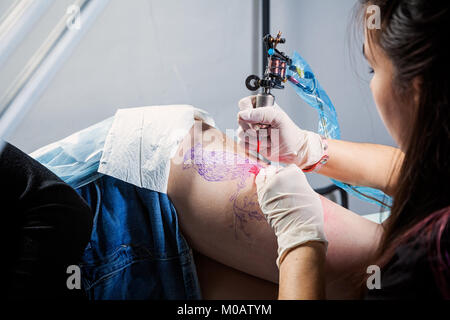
[142, 52]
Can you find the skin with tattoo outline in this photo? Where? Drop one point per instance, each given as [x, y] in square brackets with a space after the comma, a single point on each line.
[215, 166]
[205, 214]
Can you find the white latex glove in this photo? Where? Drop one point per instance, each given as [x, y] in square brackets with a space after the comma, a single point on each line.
[283, 141]
[290, 205]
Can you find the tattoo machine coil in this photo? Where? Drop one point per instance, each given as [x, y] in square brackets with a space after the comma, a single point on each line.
[275, 74]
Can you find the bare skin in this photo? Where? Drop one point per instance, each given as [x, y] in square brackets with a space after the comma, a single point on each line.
[220, 217]
[379, 169]
[303, 268]
[220, 282]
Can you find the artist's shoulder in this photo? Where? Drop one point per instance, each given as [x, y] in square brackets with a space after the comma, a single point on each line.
[420, 265]
[426, 254]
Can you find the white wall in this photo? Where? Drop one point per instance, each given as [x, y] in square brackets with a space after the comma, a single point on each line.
[142, 52]
[148, 52]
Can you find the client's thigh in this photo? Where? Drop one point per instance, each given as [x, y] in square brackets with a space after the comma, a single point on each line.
[215, 196]
[214, 193]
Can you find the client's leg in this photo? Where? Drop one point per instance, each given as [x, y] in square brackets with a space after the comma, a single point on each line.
[215, 196]
[220, 282]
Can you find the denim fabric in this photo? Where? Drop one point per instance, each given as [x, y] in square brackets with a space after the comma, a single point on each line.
[136, 249]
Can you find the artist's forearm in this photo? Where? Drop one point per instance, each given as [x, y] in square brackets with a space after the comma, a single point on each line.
[363, 164]
[302, 273]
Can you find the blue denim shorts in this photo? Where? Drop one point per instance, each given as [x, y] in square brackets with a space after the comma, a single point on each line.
[136, 249]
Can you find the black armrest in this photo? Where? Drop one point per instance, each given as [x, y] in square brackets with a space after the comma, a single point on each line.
[330, 189]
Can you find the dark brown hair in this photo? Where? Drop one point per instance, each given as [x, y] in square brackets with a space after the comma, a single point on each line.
[414, 36]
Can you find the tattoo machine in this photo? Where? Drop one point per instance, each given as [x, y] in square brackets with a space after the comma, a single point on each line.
[274, 76]
[281, 69]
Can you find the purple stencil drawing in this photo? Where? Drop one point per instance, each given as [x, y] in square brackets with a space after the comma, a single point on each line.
[218, 166]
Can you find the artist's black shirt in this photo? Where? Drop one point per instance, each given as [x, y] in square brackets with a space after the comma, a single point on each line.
[416, 273]
[46, 223]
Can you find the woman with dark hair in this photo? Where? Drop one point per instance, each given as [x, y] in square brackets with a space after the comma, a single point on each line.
[410, 86]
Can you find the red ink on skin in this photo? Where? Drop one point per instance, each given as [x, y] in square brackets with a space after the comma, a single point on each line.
[326, 208]
[217, 166]
[255, 170]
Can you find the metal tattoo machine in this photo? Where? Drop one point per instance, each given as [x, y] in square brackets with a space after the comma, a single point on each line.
[281, 69]
[275, 74]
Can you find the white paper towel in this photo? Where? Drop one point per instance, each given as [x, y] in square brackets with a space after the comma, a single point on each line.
[142, 141]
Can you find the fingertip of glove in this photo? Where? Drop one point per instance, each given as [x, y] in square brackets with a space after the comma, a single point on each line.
[244, 114]
[260, 177]
[246, 103]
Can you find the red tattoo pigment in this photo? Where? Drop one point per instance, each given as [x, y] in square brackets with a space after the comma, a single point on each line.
[255, 170]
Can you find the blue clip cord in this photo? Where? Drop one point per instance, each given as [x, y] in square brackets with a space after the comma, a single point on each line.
[309, 89]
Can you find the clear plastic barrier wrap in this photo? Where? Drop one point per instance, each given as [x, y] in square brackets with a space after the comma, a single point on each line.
[76, 158]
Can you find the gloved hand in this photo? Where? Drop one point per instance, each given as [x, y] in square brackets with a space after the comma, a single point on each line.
[290, 205]
[283, 141]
